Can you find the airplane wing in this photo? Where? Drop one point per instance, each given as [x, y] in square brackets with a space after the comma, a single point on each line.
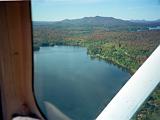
[133, 94]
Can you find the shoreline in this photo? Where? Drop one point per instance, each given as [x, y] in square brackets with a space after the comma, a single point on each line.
[106, 59]
[123, 67]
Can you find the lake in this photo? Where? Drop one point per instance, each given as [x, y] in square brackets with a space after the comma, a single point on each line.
[80, 87]
[154, 28]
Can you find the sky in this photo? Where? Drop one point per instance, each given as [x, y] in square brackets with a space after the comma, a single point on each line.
[56, 10]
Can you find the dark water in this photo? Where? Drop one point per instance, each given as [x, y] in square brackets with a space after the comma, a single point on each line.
[79, 86]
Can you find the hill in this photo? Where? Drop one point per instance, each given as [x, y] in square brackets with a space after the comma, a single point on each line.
[147, 23]
[97, 23]
[105, 23]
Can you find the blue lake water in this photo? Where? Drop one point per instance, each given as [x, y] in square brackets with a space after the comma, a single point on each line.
[154, 28]
[80, 87]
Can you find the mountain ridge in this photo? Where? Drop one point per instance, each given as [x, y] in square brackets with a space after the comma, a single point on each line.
[97, 23]
[131, 20]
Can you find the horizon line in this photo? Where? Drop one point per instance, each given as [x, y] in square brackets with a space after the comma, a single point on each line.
[147, 20]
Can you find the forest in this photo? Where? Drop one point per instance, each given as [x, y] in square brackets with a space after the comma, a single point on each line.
[124, 43]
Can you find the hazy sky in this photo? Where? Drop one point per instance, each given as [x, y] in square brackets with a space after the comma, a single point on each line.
[54, 10]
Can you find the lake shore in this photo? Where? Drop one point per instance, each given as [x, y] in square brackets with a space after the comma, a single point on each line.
[118, 64]
[107, 59]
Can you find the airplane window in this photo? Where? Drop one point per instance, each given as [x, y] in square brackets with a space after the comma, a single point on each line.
[86, 50]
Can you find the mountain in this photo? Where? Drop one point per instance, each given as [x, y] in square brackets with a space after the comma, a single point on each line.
[147, 23]
[97, 21]
[139, 21]
[90, 21]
